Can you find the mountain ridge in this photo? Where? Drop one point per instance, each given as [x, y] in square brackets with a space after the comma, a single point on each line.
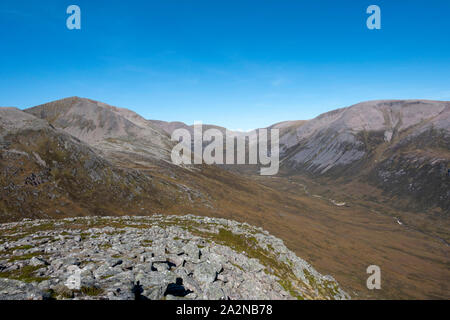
[359, 141]
[337, 219]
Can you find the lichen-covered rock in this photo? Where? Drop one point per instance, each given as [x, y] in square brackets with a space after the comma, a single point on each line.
[155, 257]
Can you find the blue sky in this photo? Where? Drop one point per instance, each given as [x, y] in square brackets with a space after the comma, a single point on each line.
[240, 64]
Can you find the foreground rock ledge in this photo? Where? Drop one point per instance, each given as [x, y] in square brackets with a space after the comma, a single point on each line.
[155, 257]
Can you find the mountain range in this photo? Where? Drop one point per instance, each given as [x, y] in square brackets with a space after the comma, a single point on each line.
[365, 184]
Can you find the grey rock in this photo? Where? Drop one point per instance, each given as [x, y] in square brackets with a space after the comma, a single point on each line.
[192, 251]
[114, 262]
[35, 261]
[205, 272]
[161, 266]
[17, 290]
[175, 260]
[215, 292]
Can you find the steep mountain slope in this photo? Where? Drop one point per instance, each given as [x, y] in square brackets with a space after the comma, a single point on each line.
[399, 146]
[348, 135]
[108, 128]
[45, 172]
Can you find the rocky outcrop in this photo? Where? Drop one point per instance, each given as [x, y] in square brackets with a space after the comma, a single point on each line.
[155, 257]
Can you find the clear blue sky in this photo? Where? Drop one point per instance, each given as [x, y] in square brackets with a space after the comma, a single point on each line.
[240, 64]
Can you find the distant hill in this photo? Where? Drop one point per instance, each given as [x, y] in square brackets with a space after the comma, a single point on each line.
[108, 128]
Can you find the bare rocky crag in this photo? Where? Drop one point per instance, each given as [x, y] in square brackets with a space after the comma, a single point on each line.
[155, 257]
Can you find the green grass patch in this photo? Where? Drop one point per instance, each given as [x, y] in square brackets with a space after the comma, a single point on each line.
[146, 242]
[25, 274]
[91, 291]
[27, 256]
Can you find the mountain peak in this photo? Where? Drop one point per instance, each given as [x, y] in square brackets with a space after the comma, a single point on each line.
[105, 126]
